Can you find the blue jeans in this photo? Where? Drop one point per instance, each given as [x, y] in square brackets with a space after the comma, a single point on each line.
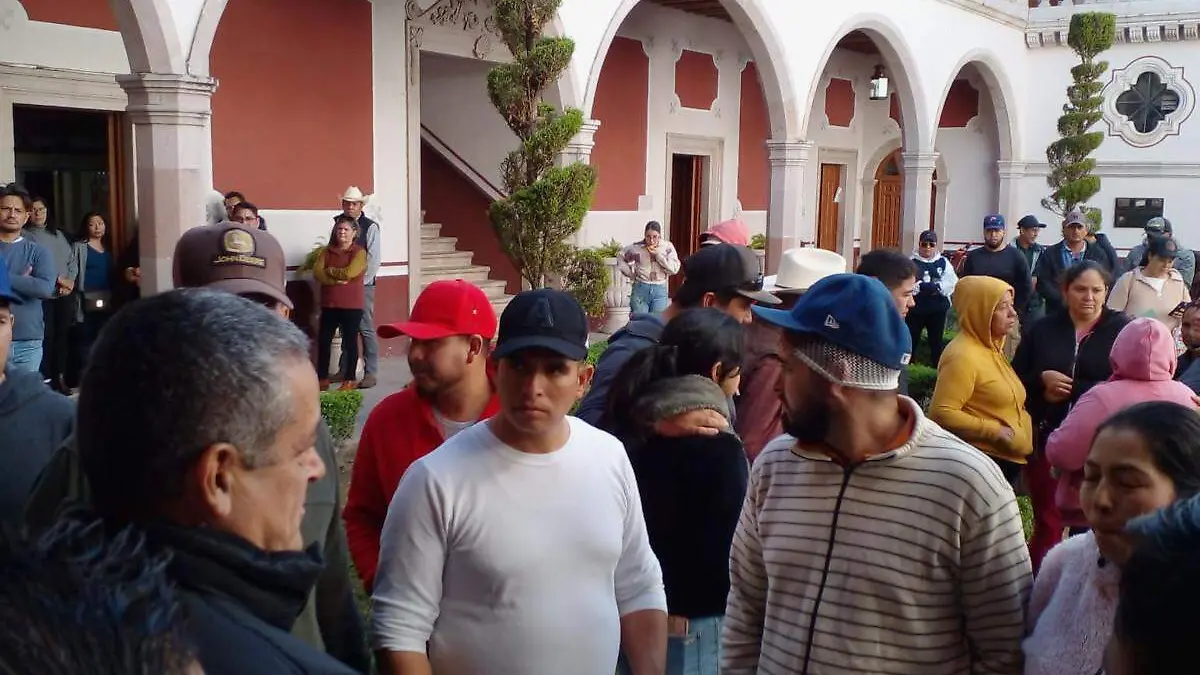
[648, 298]
[25, 355]
[697, 653]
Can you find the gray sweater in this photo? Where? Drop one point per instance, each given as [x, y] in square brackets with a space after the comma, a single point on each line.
[65, 264]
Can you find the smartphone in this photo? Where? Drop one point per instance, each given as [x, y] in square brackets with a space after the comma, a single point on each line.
[1179, 309]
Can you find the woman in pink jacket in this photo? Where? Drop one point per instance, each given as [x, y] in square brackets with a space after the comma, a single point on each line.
[1143, 369]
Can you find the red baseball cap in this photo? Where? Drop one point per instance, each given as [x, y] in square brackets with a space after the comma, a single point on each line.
[446, 308]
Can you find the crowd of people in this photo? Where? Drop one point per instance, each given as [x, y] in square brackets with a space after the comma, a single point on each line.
[740, 484]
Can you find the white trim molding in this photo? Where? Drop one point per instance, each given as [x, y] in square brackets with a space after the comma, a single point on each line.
[1136, 24]
[1123, 79]
[1127, 169]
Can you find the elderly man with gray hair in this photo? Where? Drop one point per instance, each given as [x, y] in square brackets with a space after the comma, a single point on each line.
[204, 440]
[1185, 259]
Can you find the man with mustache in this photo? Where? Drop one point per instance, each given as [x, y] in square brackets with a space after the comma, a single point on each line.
[873, 528]
[451, 328]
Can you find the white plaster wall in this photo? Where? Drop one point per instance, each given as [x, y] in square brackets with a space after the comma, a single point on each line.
[456, 108]
[968, 157]
[1170, 170]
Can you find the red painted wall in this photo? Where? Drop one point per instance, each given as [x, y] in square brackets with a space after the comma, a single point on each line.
[696, 79]
[839, 102]
[621, 106]
[754, 170]
[962, 105]
[294, 100]
[462, 210]
[84, 13]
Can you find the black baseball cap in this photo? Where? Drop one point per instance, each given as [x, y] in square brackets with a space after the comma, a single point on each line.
[1030, 222]
[543, 319]
[1161, 246]
[724, 267]
[928, 237]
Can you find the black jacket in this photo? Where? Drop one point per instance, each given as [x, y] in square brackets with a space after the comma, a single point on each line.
[241, 602]
[1050, 269]
[643, 330]
[692, 489]
[1049, 344]
[330, 621]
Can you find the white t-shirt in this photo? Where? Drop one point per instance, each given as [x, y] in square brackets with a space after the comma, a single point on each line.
[510, 563]
[449, 427]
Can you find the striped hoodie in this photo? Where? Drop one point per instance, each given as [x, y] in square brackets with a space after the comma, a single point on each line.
[912, 562]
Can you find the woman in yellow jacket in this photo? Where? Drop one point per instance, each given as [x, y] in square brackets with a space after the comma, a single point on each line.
[978, 396]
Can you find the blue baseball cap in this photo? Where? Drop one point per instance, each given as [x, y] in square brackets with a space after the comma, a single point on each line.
[853, 312]
[994, 222]
[6, 291]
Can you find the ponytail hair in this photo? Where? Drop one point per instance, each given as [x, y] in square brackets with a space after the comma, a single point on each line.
[691, 344]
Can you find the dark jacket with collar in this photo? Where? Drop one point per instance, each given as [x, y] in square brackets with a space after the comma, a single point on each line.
[241, 602]
[1050, 269]
[643, 330]
[329, 622]
[1049, 344]
[34, 421]
[692, 489]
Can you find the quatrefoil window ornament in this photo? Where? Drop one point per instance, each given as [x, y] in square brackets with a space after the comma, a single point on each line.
[1148, 103]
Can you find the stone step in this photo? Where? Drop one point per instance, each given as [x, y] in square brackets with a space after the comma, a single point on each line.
[471, 273]
[446, 259]
[431, 230]
[492, 288]
[438, 245]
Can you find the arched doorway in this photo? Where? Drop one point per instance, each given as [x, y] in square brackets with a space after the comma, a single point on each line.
[886, 225]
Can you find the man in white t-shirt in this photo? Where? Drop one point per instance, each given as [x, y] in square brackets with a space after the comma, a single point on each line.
[518, 547]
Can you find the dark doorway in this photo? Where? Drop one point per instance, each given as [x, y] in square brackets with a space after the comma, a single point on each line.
[689, 212]
[75, 160]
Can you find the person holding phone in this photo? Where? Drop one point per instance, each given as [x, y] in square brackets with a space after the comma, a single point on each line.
[1154, 289]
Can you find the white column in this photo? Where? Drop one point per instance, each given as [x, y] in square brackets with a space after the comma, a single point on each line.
[918, 193]
[941, 212]
[867, 215]
[170, 115]
[1009, 197]
[391, 165]
[413, 126]
[580, 147]
[791, 218]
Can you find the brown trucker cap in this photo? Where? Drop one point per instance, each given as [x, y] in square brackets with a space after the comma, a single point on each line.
[231, 258]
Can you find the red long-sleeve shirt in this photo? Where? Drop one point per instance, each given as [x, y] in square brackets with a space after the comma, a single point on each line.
[399, 431]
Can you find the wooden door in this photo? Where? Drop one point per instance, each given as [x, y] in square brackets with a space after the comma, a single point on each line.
[889, 202]
[829, 211]
[687, 208]
[119, 236]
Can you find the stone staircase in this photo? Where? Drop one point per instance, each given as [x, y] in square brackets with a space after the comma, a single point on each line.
[441, 259]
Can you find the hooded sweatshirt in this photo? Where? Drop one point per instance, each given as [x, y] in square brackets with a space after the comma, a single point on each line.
[977, 392]
[34, 421]
[1143, 369]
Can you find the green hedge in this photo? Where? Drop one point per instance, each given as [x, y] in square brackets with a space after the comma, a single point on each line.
[340, 410]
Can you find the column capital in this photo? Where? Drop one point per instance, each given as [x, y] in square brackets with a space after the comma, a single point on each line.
[790, 152]
[921, 162]
[168, 98]
[579, 149]
[1009, 169]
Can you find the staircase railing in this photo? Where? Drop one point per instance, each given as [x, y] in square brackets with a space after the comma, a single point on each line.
[463, 166]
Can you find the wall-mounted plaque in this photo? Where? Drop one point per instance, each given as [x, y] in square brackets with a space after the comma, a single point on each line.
[1133, 212]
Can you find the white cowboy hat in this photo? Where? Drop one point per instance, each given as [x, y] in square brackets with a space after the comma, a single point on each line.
[800, 268]
[353, 194]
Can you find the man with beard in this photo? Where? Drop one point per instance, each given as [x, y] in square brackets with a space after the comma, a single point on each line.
[999, 260]
[874, 529]
[1189, 333]
[451, 328]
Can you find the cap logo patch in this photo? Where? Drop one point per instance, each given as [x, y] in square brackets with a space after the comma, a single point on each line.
[237, 248]
[831, 322]
[541, 315]
[904, 359]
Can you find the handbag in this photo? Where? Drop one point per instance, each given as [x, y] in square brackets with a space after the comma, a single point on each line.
[97, 301]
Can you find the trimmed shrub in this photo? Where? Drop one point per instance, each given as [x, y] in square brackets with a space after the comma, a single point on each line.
[340, 410]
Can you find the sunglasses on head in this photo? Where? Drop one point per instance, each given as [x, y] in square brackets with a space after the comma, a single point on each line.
[927, 244]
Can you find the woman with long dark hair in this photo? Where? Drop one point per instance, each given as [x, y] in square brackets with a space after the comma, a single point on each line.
[94, 286]
[58, 312]
[692, 487]
[340, 268]
[1060, 358]
[1143, 459]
